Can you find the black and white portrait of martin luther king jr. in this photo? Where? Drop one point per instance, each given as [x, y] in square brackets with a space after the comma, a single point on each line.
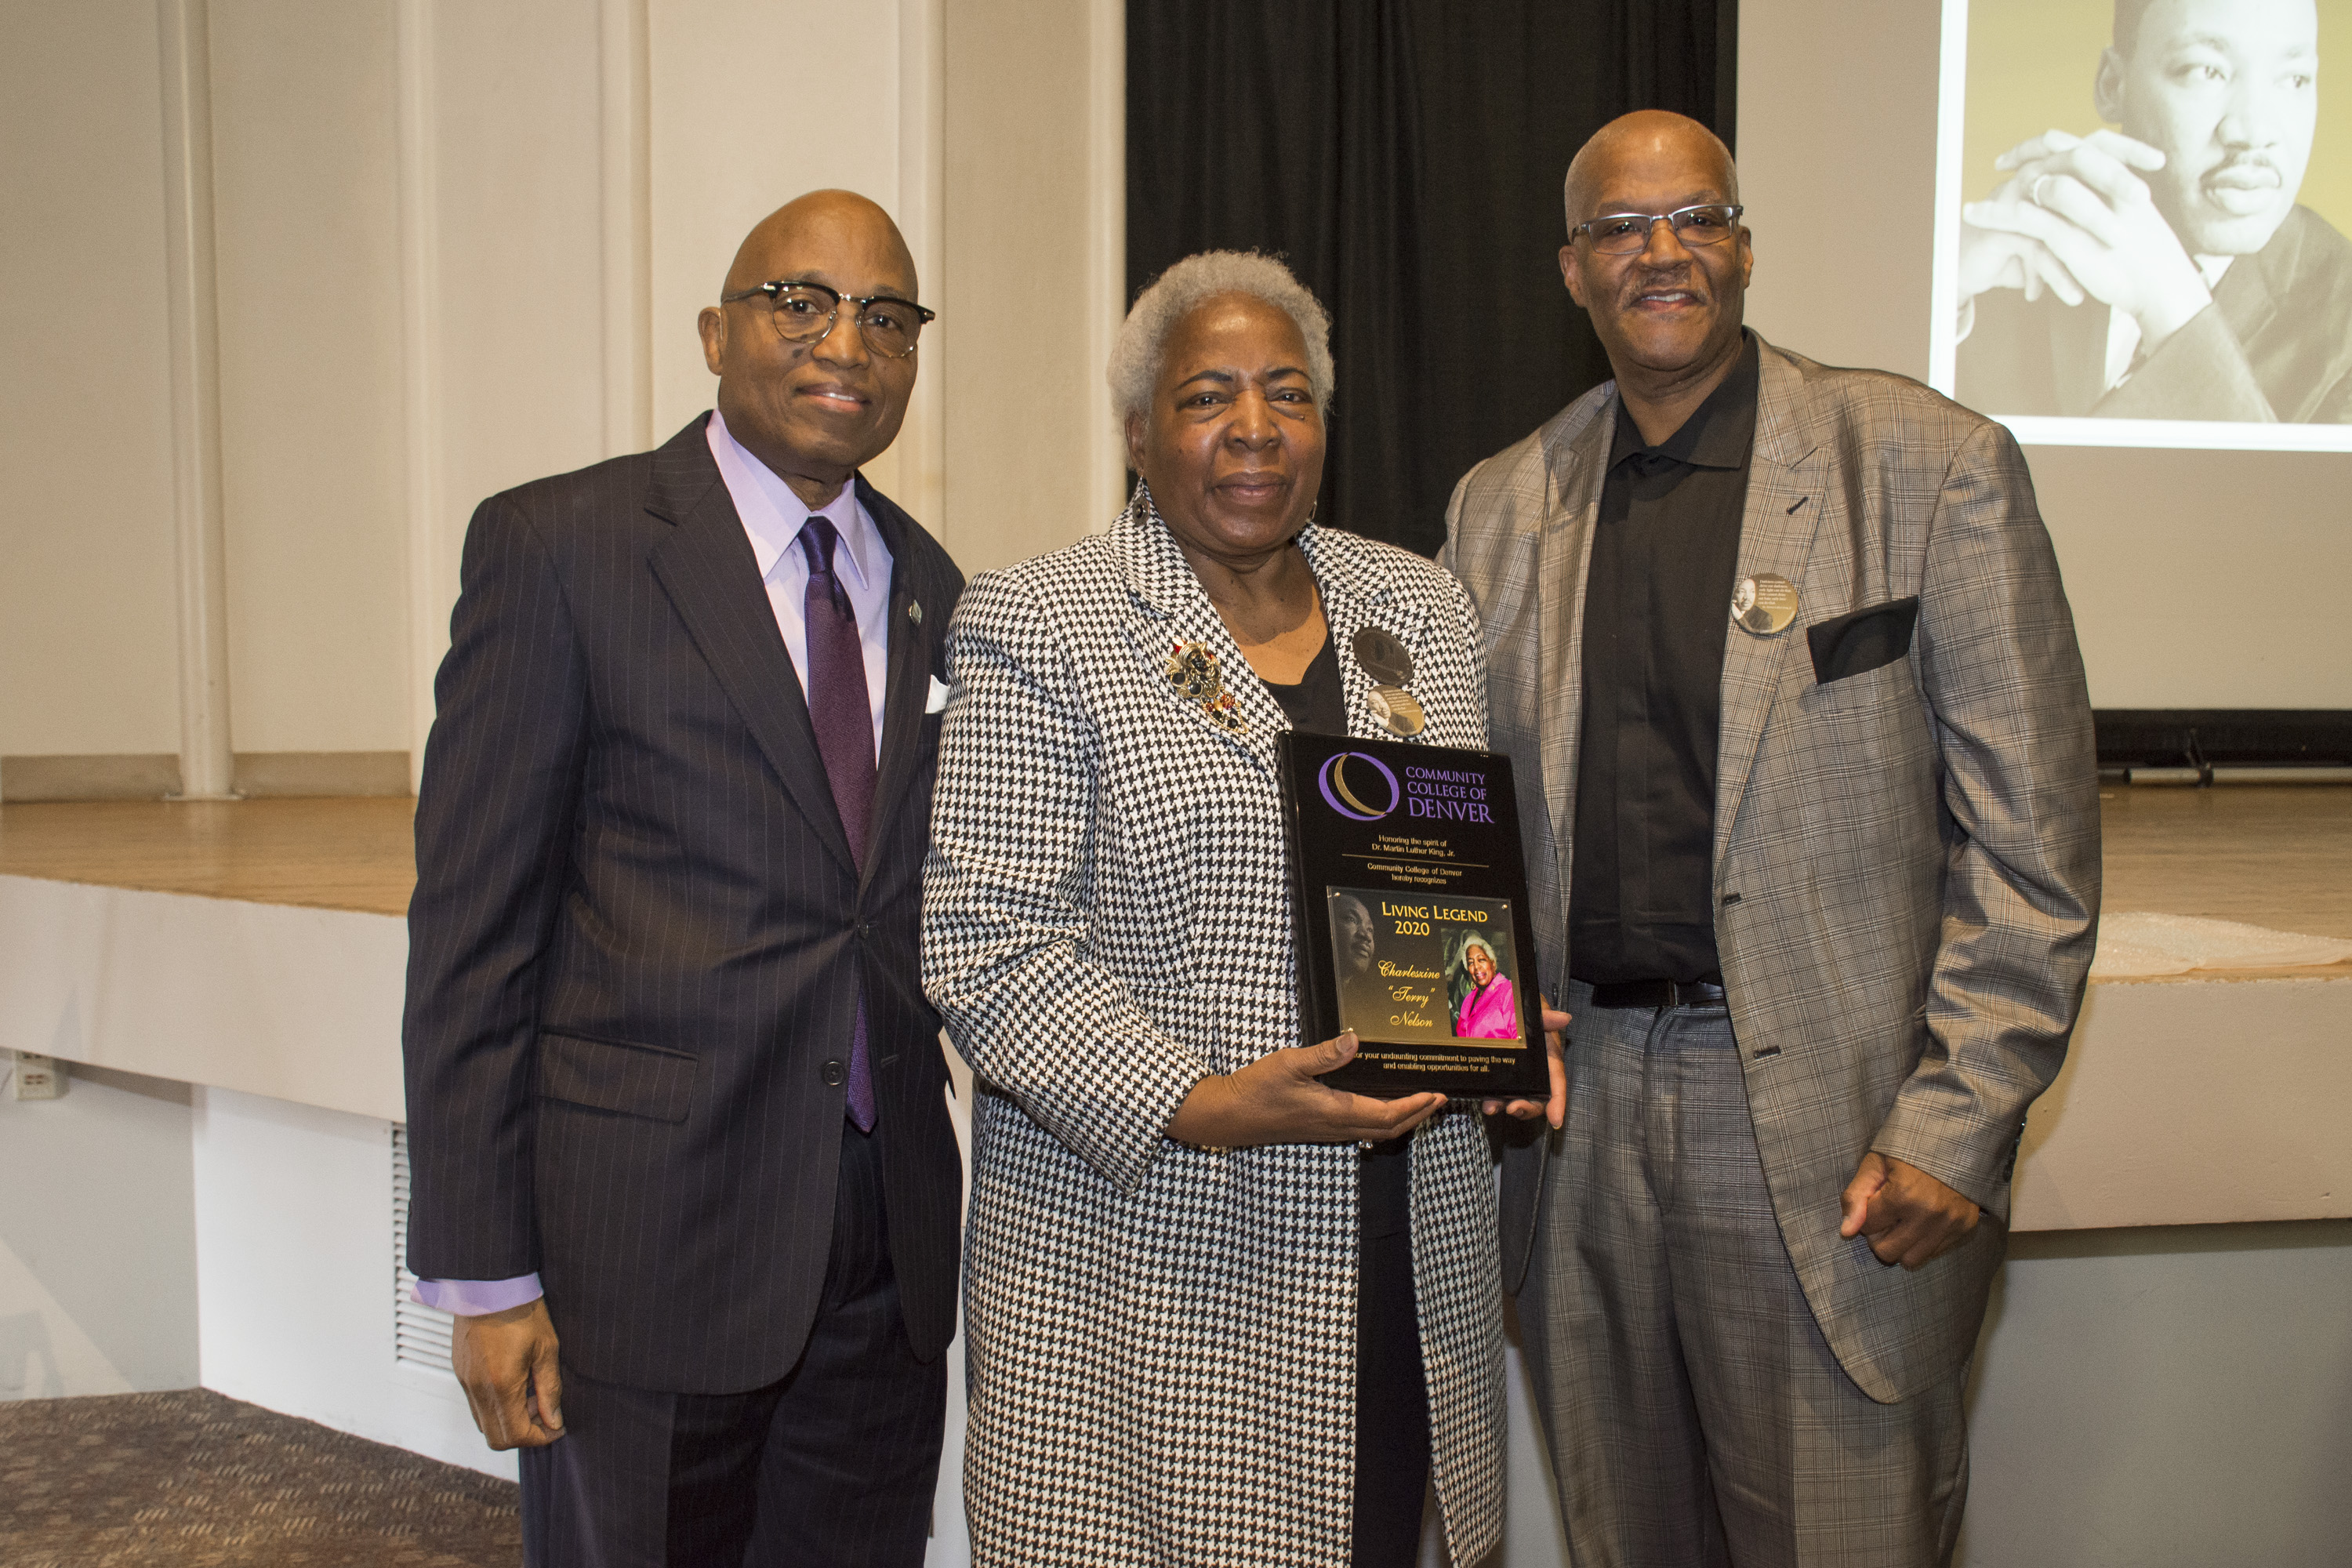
[2160, 267]
[1355, 940]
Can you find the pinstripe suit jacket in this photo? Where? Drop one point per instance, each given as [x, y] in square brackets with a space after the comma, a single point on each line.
[638, 936]
[1162, 1337]
[1906, 859]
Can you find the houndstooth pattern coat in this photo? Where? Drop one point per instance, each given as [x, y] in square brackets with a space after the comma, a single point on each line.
[1162, 1337]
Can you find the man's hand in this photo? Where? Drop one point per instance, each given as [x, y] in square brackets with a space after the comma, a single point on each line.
[1908, 1217]
[1991, 259]
[1276, 1099]
[2078, 198]
[506, 1361]
[1554, 1110]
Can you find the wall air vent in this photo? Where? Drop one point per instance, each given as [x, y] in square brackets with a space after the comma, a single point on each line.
[420, 1334]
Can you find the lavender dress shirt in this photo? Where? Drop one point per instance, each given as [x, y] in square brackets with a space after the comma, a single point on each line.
[773, 518]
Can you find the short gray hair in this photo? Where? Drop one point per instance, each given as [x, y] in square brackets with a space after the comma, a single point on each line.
[1135, 358]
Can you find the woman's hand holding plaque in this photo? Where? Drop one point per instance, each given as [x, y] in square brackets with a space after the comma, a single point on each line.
[1278, 1099]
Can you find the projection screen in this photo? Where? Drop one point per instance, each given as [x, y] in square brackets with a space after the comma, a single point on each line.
[2141, 217]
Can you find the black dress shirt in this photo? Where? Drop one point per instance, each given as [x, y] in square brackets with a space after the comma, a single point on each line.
[1657, 608]
[1318, 705]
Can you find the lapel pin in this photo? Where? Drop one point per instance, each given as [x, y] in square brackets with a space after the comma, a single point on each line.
[1382, 657]
[1398, 709]
[915, 611]
[1764, 605]
[1389, 662]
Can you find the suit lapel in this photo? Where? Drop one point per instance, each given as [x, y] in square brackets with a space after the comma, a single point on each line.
[1574, 470]
[1777, 525]
[707, 568]
[907, 684]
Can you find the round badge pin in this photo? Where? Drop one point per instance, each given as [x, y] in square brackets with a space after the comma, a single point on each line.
[1397, 708]
[1764, 605]
[1382, 657]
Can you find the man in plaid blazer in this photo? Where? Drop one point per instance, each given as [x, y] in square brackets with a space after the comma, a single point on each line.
[1811, 809]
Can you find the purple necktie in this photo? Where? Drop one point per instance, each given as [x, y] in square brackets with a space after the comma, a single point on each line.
[844, 716]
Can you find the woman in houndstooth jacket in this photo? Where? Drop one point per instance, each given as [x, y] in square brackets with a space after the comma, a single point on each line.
[1169, 1214]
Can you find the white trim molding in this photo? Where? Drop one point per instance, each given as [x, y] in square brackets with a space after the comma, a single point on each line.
[1106, 246]
[207, 769]
[431, 577]
[922, 447]
[625, 116]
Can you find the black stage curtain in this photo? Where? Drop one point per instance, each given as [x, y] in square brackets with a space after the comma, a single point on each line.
[1405, 156]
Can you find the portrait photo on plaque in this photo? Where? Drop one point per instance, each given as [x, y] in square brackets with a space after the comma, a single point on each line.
[1423, 970]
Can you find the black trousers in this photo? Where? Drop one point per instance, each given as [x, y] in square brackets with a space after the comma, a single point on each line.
[1392, 1396]
[834, 1463]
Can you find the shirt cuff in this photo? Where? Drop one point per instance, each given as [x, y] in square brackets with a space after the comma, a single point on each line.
[474, 1298]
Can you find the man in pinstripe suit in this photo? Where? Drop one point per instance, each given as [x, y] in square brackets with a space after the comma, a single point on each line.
[683, 1164]
[1812, 810]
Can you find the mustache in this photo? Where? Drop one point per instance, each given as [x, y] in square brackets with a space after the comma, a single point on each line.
[2247, 163]
[1682, 276]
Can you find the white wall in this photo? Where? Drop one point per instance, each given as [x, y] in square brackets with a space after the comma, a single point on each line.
[293, 1224]
[518, 345]
[1024, 395]
[309, 299]
[306, 241]
[2199, 579]
[754, 102]
[98, 1256]
[457, 247]
[528, 139]
[86, 618]
[2166, 1398]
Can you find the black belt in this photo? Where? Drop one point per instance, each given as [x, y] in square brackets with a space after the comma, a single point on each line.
[1658, 994]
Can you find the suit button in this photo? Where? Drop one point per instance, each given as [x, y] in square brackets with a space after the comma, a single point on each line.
[834, 1073]
[865, 929]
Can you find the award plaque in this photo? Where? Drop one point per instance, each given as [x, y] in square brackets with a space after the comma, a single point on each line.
[1412, 914]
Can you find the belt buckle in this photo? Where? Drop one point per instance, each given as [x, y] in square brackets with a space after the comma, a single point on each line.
[1694, 994]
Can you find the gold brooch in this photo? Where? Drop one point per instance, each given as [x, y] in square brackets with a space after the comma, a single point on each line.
[1193, 669]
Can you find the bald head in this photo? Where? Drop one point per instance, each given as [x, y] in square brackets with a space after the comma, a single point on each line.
[814, 408]
[1646, 135]
[843, 217]
[1668, 309]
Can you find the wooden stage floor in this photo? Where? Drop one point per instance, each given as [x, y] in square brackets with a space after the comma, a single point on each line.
[2277, 855]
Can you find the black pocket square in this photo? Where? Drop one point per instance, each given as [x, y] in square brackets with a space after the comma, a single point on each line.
[1861, 640]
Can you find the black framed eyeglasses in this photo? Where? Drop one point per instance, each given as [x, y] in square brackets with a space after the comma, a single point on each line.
[1623, 234]
[804, 312]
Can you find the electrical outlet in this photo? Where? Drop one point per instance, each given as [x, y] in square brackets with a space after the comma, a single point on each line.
[37, 1076]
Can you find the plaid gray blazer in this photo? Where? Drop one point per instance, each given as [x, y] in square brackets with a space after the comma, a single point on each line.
[1161, 1338]
[1906, 859]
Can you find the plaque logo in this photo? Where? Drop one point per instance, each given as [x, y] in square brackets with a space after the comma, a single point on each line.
[1333, 780]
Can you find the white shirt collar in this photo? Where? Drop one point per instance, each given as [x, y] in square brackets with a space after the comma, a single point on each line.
[773, 516]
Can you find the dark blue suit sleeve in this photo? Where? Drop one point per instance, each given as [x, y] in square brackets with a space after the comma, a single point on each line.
[495, 823]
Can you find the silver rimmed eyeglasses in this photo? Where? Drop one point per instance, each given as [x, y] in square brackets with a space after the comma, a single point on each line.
[1623, 234]
[804, 312]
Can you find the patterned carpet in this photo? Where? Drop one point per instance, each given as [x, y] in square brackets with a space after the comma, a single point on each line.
[193, 1480]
